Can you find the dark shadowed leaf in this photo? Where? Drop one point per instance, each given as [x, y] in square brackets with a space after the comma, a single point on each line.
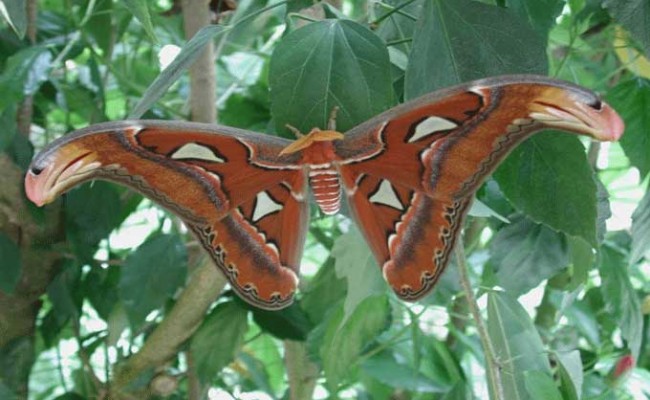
[389, 371]
[540, 386]
[289, 323]
[343, 341]
[549, 179]
[11, 264]
[632, 100]
[641, 230]
[457, 41]
[525, 254]
[151, 275]
[62, 292]
[16, 359]
[540, 14]
[100, 286]
[6, 393]
[326, 64]
[70, 396]
[323, 293]
[634, 15]
[516, 342]
[621, 301]
[219, 339]
[92, 211]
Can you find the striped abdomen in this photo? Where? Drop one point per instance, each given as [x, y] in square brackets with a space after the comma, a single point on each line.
[327, 189]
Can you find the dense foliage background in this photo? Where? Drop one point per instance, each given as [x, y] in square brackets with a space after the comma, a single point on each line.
[104, 295]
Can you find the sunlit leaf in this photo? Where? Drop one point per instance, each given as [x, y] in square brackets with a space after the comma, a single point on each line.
[15, 13]
[516, 342]
[621, 300]
[571, 374]
[641, 230]
[540, 386]
[632, 100]
[326, 64]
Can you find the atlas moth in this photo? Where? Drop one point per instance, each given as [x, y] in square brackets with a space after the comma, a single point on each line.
[408, 175]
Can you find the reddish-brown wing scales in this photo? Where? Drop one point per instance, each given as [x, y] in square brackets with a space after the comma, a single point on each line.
[409, 175]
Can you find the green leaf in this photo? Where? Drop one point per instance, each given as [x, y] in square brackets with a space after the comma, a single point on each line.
[356, 264]
[151, 275]
[216, 343]
[540, 386]
[621, 300]
[93, 210]
[570, 374]
[101, 287]
[100, 25]
[634, 15]
[516, 343]
[632, 100]
[549, 179]
[289, 323]
[15, 13]
[460, 40]
[540, 14]
[66, 304]
[641, 230]
[343, 341]
[525, 254]
[326, 64]
[190, 51]
[11, 264]
[23, 74]
[389, 371]
[140, 10]
[582, 261]
[323, 293]
[6, 393]
[16, 360]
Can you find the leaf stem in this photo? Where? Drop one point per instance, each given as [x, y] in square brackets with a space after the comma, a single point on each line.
[393, 10]
[492, 367]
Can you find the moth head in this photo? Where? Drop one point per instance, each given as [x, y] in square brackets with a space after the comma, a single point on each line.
[574, 109]
[314, 136]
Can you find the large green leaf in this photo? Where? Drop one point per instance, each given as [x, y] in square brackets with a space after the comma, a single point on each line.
[387, 370]
[634, 15]
[326, 64]
[525, 254]
[549, 179]
[219, 339]
[289, 323]
[540, 14]
[92, 212]
[140, 10]
[641, 230]
[540, 386]
[355, 263]
[24, 73]
[460, 40]
[11, 264]
[571, 374]
[517, 344]
[343, 340]
[151, 275]
[632, 100]
[621, 300]
[323, 293]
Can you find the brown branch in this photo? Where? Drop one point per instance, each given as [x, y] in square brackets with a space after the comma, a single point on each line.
[204, 286]
[301, 371]
[203, 94]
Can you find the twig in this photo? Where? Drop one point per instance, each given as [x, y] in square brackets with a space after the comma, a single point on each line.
[492, 367]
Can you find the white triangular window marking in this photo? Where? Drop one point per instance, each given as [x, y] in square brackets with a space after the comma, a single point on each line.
[264, 206]
[386, 195]
[196, 151]
[431, 125]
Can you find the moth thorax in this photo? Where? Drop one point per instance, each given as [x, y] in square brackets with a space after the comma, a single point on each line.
[327, 189]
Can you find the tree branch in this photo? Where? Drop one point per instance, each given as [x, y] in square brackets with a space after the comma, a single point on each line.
[302, 373]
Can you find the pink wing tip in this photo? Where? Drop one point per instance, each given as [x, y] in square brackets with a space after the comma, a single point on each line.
[34, 189]
[613, 123]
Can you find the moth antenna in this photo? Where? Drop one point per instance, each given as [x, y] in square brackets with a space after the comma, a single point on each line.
[331, 122]
[294, 130]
